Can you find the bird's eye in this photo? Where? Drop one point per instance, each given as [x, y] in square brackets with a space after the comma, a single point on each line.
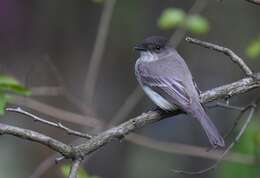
[158, 47]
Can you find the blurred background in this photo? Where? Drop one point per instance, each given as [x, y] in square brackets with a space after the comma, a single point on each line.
[77, 58]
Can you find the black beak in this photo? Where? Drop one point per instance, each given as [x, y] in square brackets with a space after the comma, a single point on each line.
[139, 47]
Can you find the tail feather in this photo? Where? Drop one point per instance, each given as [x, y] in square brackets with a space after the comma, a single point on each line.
[210, 129]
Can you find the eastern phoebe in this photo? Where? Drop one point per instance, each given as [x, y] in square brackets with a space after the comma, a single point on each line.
[167, 80]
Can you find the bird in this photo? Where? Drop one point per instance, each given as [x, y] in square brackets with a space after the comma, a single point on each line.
[166, 79]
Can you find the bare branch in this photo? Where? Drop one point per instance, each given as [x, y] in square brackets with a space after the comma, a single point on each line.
[235, 58]
[226, 106]
[50, 123]
[37, 137]
[120, 131]
[74, 168]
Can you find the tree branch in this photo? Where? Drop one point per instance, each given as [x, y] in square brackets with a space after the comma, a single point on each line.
[50, 123]
[26, 134]
[235, 58]
[120, 131]
[74, 168]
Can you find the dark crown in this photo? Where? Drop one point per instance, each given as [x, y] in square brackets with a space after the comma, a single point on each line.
[153, 43]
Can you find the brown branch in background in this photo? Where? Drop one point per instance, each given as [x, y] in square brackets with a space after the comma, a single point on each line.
[58, 113]
[188, 150]
[74, 168]
[80, 105]
[96, 57]
[46, 91]
[235, 58]
[257, 2]
[137, 94]
[50, 123]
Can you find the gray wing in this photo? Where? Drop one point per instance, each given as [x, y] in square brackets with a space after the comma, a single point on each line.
[170, 89]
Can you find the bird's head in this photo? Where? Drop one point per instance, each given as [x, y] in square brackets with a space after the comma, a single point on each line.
[153, 44]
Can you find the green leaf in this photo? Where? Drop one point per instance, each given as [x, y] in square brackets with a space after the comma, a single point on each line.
[197, 24]
[4, 98]
[18, 89]
[7, 80]
[65, 169]
[9, 84]
[253, 49]
[171, 17]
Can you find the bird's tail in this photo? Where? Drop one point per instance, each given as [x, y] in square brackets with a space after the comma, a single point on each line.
[211, 131]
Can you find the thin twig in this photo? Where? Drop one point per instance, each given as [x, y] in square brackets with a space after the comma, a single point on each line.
[235, 58]
[236, 121]
[50, 123]
[257, 2]
[214, 166]
[226, 106]
[74, 168]
[96, 57]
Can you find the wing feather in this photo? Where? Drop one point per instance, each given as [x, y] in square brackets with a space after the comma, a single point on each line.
[170, 89]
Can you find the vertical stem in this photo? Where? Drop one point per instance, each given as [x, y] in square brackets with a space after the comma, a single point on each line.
[96, 57]
[74, 168]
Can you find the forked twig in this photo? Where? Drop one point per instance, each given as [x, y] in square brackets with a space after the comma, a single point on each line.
[50, 123]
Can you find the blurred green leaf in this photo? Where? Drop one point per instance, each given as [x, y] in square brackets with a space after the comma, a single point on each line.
[171, 17]
[18, 89]
[253, 49]
[197, 24]
[4, 98]
[7, 80]
[9, 84]
[246, 145]
[65, 169]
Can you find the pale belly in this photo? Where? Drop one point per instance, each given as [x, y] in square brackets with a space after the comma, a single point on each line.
[158, 99]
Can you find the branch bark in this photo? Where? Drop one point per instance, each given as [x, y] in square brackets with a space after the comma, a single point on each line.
[52, 143]
[74, 168]
[120, 131]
